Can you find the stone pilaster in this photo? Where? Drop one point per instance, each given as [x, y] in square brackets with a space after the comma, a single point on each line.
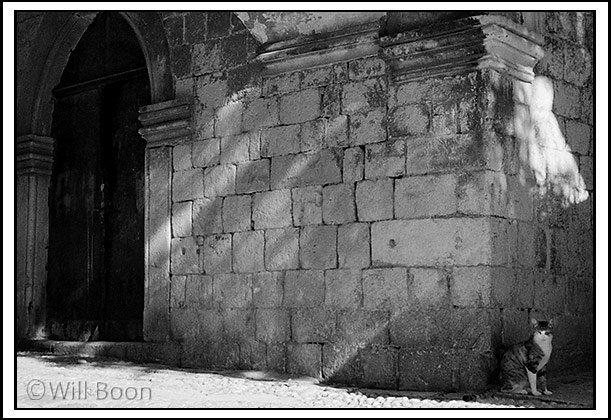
[34, 159]
[164, 125]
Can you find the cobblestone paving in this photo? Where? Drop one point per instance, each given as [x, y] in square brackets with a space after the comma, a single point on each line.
[77, 382]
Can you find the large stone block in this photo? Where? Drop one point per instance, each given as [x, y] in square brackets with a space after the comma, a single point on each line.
[313, 325]
[232, 290]
[281, 140]
[282, 83]
[267, 289]
[272, 326]
[235, 148]
[354, 164]
[343, 289]
[210, 91]
[298, 107]
[219, 180]
[217, 254]
[363, 96]
[198, 292]
[415, 371]
[374, 200]
[177, 291]
[425, 196]
[340, 363]
[304, 289]
[307, 205]
[228, 119]
[312, 136]
[236, 213]
[409, 120]
[319, 76]
[282, 249]
[272, 209]
[304, 359]
[182, 219]
[239, 325]
[184, 256]
[260, 113]
[336, 131]
[379, 365]
[207, 216]
[385, 160]
[362, 327]
[252, 176]
[432, 242]
[365, 68]
[305, 169]
[484, 193]
[428, 287]
[318, 247]
[385, 288]
[248, 256]
[187, 185]
[367, 127]
[181, 157]
[471, 286]
[206, 153]
[353, 245]
[338, 204]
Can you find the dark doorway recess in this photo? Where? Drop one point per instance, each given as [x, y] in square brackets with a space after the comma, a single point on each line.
[95, 288]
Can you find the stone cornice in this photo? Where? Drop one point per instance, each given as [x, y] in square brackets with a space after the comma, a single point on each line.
[306, 52]
[479, 42]
[166, 123]
[34, 155]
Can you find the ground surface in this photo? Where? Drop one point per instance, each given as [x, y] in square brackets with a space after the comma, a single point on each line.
[53, 381]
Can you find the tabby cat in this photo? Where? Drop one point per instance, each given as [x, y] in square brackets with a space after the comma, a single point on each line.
[523, 364]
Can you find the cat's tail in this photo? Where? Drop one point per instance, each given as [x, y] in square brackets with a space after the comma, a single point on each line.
[474, 397]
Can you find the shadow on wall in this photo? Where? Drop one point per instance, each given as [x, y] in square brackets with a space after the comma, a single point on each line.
[543, 151]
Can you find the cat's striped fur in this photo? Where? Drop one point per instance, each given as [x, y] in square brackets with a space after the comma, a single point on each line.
[523, 364]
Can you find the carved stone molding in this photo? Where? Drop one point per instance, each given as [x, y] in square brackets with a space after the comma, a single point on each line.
[306, 52]
[166, 123]
[478, 42]
[34, 155]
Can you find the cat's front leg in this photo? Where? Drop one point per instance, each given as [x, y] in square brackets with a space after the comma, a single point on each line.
[542, 379]
[532, 380]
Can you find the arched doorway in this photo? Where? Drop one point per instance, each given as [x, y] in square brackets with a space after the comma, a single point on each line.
[95, 286]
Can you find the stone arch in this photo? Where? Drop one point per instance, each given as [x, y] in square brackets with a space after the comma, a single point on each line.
[57, 36]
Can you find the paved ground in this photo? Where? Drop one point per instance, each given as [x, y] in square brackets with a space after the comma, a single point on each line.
[54, 381]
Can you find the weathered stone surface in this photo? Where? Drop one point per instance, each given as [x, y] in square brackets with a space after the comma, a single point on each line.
[181, 219]
[184, 256]
[578, 136]
[272, 326]
[306, 169]
[385, 288]
[282, 83]
[252, 176]
[181, 157]
[267, 289]
[299, 106]
[207, 216]
[318, 246]
[428, 287]
[338, 204]
[304, 288]
[282, 140]
[343, 288]
[367, 128]
[336, 131]
[353, 245]
[282, 249]
[425, 196]
[198, 291]
[217, 254]
[236, 213]
[363, 96]
[219, 180]
[484, 193]
[470, 286]
[272, 209]
[187, 185]
[365, 68]
[232, 290]
[307, 205]
[340, 363]
[362, 327]
[379, 366]
[313, 325]
[206, 153]
[319, 76]
[312, 136]
[248, 254]
[409, 120]
[436, 242]
[304, 359]
[385, 160]
[354, 164]
[177, 291]
[235, 148]
[374, 200]
[214, 55]
[260, 113]
[210, 91]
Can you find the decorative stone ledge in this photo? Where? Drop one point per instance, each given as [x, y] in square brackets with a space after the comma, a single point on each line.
[34, 155]
[166, 123]
[306, 52]
[479, 42]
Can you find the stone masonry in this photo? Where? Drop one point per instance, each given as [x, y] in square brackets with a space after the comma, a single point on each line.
[364, 222]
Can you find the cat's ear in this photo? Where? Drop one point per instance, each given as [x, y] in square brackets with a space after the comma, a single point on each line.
[550, 323]
[534, 322]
